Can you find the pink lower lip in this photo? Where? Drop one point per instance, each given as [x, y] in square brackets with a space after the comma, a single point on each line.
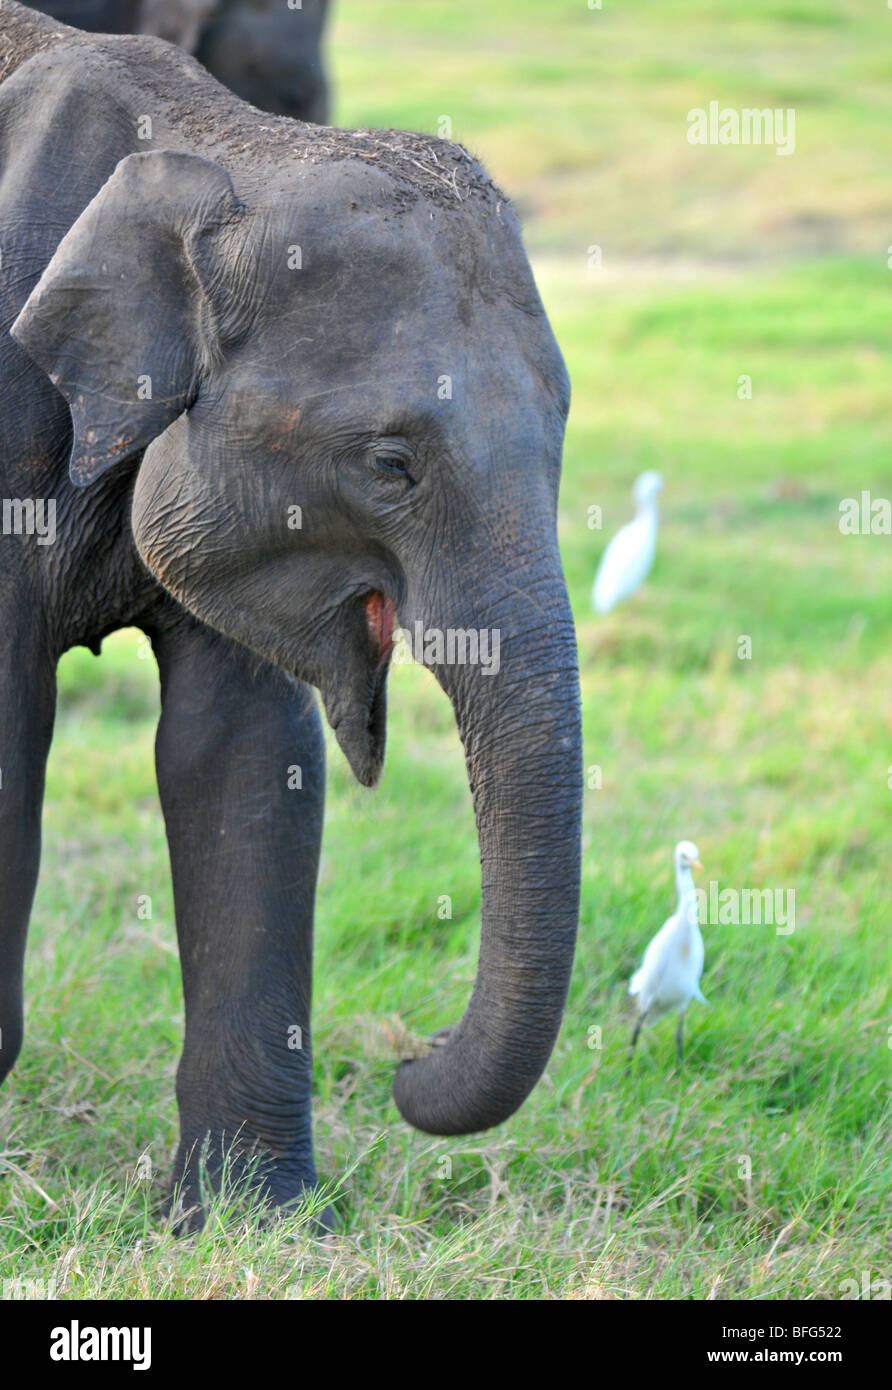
[380, 617]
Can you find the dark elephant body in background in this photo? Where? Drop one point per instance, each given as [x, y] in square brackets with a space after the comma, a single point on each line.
[265, 51]
[285, 386]
[95, 16]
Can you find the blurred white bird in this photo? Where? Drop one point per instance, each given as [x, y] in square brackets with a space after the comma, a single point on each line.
[669, 977]
[626, 562]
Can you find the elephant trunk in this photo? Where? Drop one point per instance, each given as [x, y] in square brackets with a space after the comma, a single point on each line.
[521, 734]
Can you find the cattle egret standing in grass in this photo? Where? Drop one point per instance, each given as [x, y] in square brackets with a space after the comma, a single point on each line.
[626, 562]
[669, 977]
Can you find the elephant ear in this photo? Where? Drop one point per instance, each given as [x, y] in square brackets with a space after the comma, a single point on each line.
[134, 305]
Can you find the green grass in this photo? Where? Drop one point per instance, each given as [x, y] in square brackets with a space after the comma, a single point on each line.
[582, 115]
[763, 1169]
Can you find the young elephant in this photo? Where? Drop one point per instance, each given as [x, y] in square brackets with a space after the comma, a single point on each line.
[282, 384]
[268, 52]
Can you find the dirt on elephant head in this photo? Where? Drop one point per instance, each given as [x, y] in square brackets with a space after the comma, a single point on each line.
[24, 33]
[419, 165]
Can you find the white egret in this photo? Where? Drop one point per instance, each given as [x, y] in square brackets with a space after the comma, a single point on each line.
[669, 977]
[626, 562]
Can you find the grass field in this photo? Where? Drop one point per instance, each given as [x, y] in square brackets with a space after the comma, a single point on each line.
[762, 1170]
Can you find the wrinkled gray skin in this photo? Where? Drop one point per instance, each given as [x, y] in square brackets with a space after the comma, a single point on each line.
[262, 50]
[272, 387]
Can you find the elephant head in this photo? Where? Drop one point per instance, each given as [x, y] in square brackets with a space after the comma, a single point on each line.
[351, 408]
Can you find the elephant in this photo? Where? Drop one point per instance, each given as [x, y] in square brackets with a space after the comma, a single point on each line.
[267, 51]
[272, 391]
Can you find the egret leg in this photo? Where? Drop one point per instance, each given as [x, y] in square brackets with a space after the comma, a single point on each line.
[679, 1040]
[641, 1018]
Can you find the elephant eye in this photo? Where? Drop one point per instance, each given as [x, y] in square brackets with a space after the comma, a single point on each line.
[394, 465]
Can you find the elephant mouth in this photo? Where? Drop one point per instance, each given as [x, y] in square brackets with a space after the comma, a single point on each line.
[356, 703]
[381, 620]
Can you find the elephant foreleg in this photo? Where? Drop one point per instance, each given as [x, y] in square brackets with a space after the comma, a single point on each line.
[27, 707]
[240, 762]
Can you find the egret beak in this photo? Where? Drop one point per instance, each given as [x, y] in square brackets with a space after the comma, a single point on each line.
[695, 864]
